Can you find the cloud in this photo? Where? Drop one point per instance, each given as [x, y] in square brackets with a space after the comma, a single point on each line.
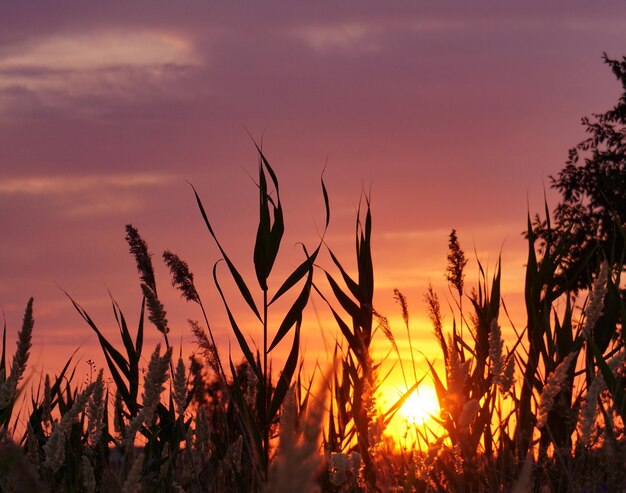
[349, 37]
[85, 196]
[53, 185]
[78, 72]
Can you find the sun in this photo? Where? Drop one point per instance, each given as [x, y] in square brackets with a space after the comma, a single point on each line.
[421, 405]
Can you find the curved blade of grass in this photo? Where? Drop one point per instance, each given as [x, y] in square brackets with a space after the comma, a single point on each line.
[268, 235]
[106, 345]
[134, 352]
[346, 303]
[352, 285]
[345, 330]
[615, 385]
[304, 267]
[294, 315]
[243, 344]
[284, 382]
[243, 288]
[295, 276]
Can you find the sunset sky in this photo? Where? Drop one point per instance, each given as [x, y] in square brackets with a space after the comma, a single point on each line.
[453, 115]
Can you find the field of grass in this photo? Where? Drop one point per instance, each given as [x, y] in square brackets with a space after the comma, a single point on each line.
[544, 412]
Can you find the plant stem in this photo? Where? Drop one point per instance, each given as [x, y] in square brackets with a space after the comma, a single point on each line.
[266, 383]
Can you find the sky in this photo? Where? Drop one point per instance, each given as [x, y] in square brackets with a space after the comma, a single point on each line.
[448, 114]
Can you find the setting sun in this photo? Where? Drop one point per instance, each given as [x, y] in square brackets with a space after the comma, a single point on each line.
[421, 405]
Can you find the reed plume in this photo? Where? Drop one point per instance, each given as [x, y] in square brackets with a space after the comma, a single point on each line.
[155, 309]
[552, 387]
[139, 250]
[95, 411]
[182, 277]
[434, 314]
[153, 386]
[20, 358]
[502, 369]
[596, 300]
[55, 446]
[456, 264]
[180, 386]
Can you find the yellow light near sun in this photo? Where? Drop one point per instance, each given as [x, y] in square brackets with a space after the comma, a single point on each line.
[421, 405]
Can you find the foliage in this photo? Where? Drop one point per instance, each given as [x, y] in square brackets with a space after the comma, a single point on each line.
[543, 409]
[592, 211]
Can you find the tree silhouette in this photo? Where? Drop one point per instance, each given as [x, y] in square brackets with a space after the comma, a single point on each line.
[592, 211]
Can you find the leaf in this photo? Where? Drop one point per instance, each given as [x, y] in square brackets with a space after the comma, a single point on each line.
[295, 312]
[243, 344]
[284, 382]
[243, 289]
[345, 330]
[615, 385]
[295, 276]
[107, 347]
[352, 285]
[307, 264]
[268, 235]
[346, 303]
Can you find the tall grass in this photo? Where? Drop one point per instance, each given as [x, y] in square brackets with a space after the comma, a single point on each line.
[543, 411]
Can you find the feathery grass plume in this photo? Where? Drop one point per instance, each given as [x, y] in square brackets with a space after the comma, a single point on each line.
[118, 419]
[155, 309]
[375, 419]
[456, 263]
[401, 299]
[87, 475]
[470, 409]
[139, 249]
[182, 277]
[297, 460]
[434, 314]
[55, 446]
[587, 416]
[508, 378]
[20, 358]
[502, 369]
[596, 300]
[180, 386]
[383, 324]
[153, 386]
[95, 411]
[553, 386]
[457, 370]
[46, 415]
[252, 382]
[208, 348]
[132, 484]
[496, 363]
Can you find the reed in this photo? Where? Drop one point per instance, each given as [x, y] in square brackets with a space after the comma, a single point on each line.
[543, 410]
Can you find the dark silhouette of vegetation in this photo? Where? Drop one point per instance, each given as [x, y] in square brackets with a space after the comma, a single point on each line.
[592, 211]
[541, 410]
